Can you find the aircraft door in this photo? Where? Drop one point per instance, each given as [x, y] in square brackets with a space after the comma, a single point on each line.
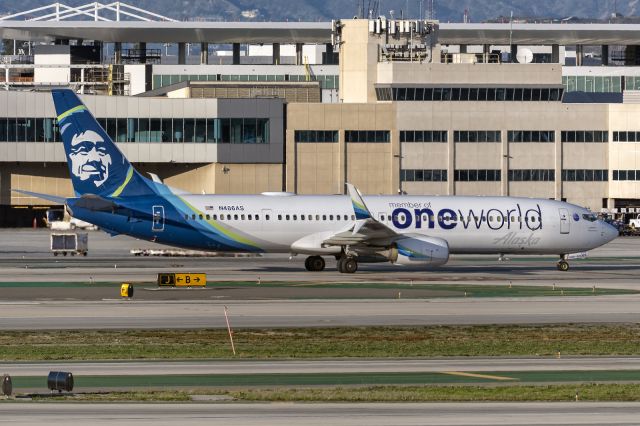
[158, 218]
[565, 224]
[266, 218]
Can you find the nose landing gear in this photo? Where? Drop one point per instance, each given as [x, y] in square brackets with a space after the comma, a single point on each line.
[563, 265]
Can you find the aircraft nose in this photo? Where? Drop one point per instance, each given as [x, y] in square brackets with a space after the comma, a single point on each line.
[610, 232]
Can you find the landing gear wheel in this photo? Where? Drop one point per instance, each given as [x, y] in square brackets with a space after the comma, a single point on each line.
[348, 265]
[563, 266]
[314, 263]
[340, 265]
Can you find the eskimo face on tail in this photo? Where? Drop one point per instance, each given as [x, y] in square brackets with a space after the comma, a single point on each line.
[90, 160]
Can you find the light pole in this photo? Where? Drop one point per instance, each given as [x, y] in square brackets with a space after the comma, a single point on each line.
[400, 190]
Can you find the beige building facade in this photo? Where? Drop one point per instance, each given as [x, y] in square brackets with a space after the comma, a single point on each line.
[459, 126]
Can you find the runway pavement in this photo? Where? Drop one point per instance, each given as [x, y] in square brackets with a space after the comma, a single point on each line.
[284, 414]
[127, 368]
[128, 314]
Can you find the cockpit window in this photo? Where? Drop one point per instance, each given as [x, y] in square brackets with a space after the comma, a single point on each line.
[591, 217]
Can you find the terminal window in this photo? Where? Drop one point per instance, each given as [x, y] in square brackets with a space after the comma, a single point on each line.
[474, 94]
[477, 175]
[626, 136]
[477, 136]
[596, 84]
[316, 136]
[585, 175]
[367, 136]
[626, 175]
[433, 175]
[423, 136]
[531, 136]
[587, 136]
[179, 130]
[532, 175]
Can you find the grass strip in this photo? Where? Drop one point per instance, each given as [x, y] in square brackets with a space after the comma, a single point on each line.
[427, 290]
[585, 392]
[377, 342]
[508, 393]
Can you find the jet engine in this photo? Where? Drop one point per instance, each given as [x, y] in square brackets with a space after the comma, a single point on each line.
[419, 250]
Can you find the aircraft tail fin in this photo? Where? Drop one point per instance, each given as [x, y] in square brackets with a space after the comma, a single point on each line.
[96, 164]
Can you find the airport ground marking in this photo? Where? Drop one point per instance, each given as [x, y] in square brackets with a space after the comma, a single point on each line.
[479, 376]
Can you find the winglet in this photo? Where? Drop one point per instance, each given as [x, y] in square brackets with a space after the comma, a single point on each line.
[359, 207]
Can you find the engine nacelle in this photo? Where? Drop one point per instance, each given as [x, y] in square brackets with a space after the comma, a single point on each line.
[419, 250]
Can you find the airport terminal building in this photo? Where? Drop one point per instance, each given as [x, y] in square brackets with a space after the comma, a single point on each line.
[393, 106]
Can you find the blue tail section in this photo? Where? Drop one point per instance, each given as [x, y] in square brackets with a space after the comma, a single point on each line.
[95, 163]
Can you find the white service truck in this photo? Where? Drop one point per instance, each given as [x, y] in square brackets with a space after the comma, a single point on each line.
[635, 223]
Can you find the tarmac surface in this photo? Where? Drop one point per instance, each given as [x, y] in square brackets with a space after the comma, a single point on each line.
[25, 258]
[372, 414]
[126, 368]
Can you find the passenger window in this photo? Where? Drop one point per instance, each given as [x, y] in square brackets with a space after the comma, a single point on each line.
[228, 217]
[324, 217]
[317, 217]
[382, 218]
[249, 217]
[513, 218]
[288, 217]
[193, 217]
[215, 217]
[186, 217]
[301, 217]
[258, 217]
[330, 217]
[208, 217]
[235, 217]
[279, 217]
[533, 219]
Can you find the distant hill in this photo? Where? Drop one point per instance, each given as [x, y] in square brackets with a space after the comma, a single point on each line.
[322, 10]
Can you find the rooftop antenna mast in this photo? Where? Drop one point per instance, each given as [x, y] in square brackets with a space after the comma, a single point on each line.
[431, 9]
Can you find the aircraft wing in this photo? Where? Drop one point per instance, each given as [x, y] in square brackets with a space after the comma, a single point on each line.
[366, 230]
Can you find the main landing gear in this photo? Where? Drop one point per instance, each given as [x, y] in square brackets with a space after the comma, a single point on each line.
[347, 264]
[563, 265]
[314, 263]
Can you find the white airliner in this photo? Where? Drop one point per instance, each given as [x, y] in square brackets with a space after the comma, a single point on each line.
[404, 230]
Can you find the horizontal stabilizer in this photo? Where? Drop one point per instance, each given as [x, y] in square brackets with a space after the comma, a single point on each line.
[52, 198]
[95, 203]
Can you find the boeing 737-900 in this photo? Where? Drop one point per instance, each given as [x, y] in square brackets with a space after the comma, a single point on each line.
[417, 230]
